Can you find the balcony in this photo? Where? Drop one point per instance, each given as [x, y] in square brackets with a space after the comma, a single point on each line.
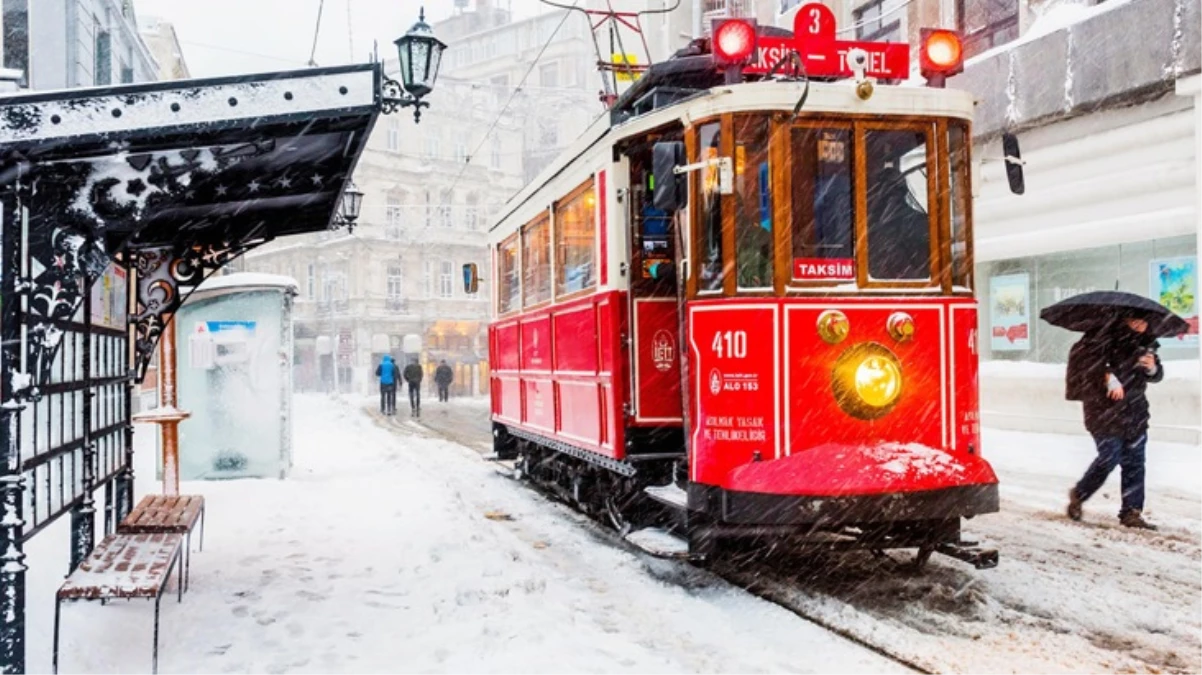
[722, 9]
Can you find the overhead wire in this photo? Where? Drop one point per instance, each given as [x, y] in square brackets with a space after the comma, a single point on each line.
[877, 18]
[316, 32]
[512, 95]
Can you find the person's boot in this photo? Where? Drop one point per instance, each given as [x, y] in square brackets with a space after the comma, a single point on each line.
[1135, 519]
[1074, 505]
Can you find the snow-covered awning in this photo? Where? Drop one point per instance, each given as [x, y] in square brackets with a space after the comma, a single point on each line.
[174, 179]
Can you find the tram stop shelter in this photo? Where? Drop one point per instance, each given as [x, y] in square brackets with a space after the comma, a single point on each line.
[163, 184]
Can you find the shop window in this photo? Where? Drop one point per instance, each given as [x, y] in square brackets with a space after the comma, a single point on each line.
[536, 262]
[899, 227]
[709, 243]
[986, 24]
[575, 238]
[508, 284]
[753, 204]
[823, 206]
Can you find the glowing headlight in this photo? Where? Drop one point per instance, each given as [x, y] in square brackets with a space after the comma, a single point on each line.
[878, 381]
[867, 381]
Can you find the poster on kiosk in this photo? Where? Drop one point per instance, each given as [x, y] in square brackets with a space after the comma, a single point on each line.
[235, 365]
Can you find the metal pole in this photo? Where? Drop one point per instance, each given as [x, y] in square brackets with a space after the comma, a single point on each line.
[12, 522]
[169, 402]
[83, 516]
[125, 481]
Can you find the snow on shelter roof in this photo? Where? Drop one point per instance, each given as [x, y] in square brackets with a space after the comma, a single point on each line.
[194, 162]
[247, 280]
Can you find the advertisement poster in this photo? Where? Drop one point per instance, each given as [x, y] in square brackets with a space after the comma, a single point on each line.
[1173, 282]
[109, 298]
[1010, 313]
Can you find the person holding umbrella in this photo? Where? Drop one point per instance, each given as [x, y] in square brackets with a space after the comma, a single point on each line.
[1109, 369]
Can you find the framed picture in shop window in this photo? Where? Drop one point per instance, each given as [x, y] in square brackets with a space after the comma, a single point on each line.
[1173, 282]
[1010, 313]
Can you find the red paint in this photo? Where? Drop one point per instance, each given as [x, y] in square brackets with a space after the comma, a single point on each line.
[657, 361]
[814, 21]
[965, 403]
[839, 469]
[1016, 332]
[555, 372]
[808, 269]
[602, 201]
[734, 356]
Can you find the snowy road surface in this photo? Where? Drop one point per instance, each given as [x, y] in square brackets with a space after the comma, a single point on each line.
[388, 552]
[1066, 597]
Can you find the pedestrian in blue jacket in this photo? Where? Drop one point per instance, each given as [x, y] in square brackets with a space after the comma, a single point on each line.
[389, 374]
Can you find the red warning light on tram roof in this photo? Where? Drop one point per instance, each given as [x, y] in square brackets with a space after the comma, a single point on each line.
[814, 39]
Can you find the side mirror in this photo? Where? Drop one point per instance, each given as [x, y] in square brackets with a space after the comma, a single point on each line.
[1014, 163]
[471, 278]
[671, 190]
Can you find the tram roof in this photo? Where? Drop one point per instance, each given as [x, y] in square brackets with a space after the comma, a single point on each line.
[834, 98]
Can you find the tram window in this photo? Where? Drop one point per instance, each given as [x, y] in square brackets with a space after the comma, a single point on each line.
[508, 284]
[957, 136]
[899, 227]
[753, 203]
[823, 207]
[575, 233]
[536, 262]
[709, 244]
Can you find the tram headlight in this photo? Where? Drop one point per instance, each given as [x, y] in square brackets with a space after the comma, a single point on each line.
[867, 381]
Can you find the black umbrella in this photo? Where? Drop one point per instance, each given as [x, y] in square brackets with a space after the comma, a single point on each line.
[1088, 311]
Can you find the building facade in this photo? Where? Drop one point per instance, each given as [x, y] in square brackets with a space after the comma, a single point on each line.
[395, 285]
[160, 38]
[74, 43]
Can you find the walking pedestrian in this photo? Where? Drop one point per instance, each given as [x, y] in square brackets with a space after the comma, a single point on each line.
[389, 374]
[1108, 371]
[443, 376]
[413, 377]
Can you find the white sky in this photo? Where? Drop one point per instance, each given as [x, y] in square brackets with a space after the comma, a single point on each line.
[229, 37]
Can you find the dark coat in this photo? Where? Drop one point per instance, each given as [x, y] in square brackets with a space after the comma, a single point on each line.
[413, 373]
[444, 374]
[1116, 351]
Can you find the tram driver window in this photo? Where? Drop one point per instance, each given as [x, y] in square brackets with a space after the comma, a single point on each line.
[823, 216]
[575, 233]
[709, 245]
[508, 286]
[899, 227]
[753, 204]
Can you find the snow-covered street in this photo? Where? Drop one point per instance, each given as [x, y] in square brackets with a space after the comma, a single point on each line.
[393, 552]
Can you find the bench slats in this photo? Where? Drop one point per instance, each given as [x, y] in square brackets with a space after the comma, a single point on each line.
[124, 566]
[162, 513]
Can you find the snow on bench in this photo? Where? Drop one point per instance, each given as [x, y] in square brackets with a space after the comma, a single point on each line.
[172, 514]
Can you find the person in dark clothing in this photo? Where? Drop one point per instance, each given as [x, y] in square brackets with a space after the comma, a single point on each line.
[443, 377]
[413, 377]
[1108, 372]
[389, 375]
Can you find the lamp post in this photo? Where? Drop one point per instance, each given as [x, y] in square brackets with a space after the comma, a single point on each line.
[349, 207]
[420, 54]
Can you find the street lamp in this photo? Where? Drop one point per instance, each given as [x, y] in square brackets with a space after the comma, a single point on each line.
[348, 208]
[420, 54]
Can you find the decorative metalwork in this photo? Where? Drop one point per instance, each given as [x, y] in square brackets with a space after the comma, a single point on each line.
[165, 280]
[393, 97]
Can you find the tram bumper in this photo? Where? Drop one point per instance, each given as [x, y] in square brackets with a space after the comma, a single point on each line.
[846, 484]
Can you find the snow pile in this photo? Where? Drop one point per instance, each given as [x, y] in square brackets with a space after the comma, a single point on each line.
[912, 459]
[390, 552]
[248, 280]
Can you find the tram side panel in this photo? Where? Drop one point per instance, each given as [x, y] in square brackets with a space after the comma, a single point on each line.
[558, 373]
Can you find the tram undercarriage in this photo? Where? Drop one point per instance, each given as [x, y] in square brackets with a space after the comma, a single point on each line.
[644, 494]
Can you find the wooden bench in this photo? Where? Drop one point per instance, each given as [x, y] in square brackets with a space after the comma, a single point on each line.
[124, 566]
[174, 514]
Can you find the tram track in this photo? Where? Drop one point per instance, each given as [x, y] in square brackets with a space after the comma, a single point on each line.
[753, 577]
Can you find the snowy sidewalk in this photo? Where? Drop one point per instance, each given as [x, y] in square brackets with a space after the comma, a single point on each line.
[377, 555]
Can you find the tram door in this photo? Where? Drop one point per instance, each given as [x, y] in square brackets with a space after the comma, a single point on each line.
[654, 312]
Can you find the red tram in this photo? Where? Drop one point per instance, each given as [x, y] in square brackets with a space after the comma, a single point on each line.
[741, 304]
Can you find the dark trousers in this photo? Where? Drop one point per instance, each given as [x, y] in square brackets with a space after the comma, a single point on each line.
[415, 396]
[1127, 454]
[388, 398]
[444, 392]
